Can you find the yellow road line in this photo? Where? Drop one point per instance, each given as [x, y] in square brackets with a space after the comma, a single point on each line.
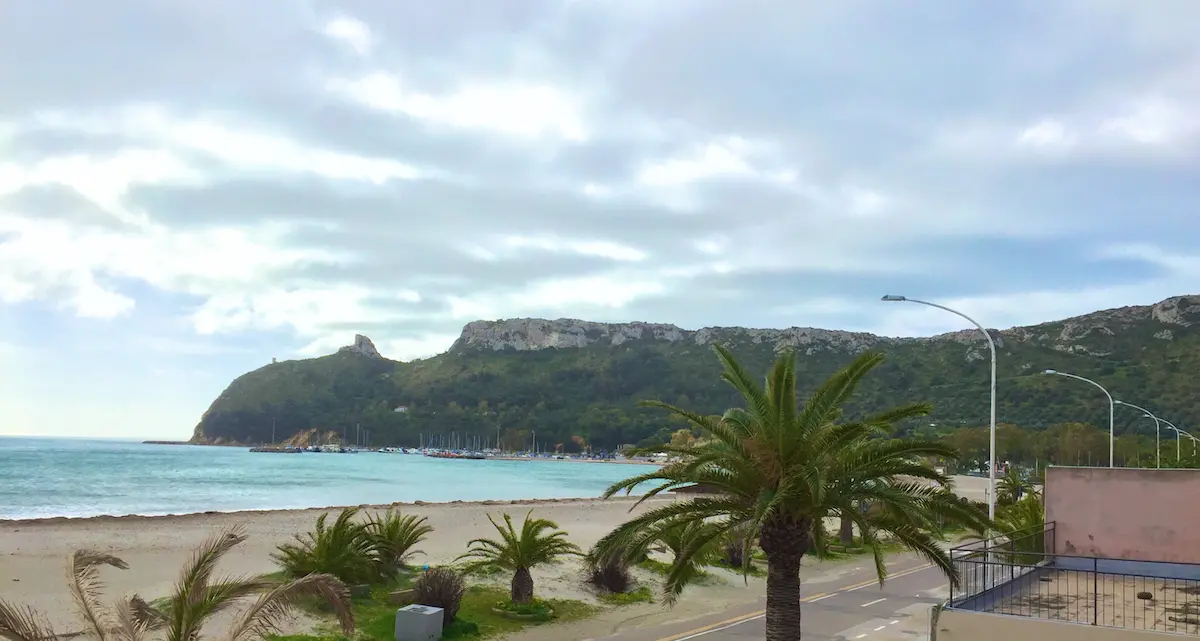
[729, 623]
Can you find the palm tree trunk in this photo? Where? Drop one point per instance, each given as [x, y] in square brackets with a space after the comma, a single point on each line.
[846, 531]
[522, 586]
[785, 542]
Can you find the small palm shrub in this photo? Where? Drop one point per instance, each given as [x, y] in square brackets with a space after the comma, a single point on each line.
[440, 588]
[393, 537]
[344, 550]
[198, 596]
[611, 575]
[736, 546]
[538, 542]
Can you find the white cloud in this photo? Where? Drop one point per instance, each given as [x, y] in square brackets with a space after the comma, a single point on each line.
[239, 145]
[353, 33]
[728, 157]
[519, 109]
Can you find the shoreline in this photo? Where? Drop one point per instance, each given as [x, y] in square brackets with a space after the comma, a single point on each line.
[265, 512]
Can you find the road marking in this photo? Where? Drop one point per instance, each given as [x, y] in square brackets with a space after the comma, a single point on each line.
[873, 602]
[736, 621]
[715, 627]
[894, 622]
[860, 636]
[718, 629]
[880, 628]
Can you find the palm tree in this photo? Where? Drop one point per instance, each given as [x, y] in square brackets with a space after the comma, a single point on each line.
[394, 537]
[1012, 486]
[781, 468]
[539, 542]
[197, 597]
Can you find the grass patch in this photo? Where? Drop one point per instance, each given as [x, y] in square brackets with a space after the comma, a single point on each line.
[640, 595]
[376, 618]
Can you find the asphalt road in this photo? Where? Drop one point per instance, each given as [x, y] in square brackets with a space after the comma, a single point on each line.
[852, 608]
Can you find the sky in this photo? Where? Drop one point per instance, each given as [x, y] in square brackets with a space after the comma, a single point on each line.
[190, 189]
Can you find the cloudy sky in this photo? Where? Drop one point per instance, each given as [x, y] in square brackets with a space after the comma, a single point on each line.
[188, 189]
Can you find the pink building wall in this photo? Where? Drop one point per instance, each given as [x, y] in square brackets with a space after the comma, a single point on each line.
[1125, 513]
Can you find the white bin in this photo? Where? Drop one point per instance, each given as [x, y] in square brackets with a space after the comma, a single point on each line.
[418, 623]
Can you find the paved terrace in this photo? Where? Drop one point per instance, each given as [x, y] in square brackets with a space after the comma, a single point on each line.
[1018, 578]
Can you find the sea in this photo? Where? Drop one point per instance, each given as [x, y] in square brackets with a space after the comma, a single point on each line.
[42, 478]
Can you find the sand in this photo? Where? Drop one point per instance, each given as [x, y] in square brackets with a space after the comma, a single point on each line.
[33, 553]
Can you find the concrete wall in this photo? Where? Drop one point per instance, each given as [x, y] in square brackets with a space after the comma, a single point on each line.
[957, 625]
[1125, 513]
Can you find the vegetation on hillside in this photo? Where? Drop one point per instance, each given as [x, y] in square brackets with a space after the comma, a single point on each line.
[575, 398]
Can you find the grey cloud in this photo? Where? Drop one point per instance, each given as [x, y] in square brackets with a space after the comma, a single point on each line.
[30, 145]
[420, 210]
[58, 202]
[141, 50]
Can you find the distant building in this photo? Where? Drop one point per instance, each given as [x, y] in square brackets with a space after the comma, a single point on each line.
[401, 408]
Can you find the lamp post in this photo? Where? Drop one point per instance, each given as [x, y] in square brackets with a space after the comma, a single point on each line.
[1111, 408]
[1179, 433]
[891, 298]
[1157, 430]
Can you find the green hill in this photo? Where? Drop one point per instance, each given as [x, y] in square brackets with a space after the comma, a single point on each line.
[573, 381]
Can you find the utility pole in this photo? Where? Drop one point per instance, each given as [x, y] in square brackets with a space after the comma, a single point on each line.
[272, 430]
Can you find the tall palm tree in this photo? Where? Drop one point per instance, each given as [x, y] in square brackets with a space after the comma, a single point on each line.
[782, 467]
[539, 542]
[197, 597]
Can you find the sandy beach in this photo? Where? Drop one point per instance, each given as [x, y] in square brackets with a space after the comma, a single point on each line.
[33, 553]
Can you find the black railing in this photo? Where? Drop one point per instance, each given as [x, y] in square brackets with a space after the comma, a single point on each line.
[1021, 576]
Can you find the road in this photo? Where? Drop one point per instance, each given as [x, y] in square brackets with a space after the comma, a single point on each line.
[850, 608]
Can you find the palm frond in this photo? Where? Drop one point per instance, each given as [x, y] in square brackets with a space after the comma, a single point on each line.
[191, 590]
[86, 589]
[131, 622]
[23, 623]
[274, 607]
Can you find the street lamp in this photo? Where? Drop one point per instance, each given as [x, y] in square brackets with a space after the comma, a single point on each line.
[892, 298]
[1157, 430]
[1111, 408]
[1179, 433]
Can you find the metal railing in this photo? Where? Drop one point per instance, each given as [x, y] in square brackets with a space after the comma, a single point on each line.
[1022, 576]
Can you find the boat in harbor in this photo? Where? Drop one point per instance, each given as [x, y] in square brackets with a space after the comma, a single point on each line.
[458, 454]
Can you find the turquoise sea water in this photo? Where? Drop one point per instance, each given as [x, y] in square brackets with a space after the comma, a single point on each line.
[67, 477]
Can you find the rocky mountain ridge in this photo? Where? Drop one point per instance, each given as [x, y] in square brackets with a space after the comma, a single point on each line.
[531, 334]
